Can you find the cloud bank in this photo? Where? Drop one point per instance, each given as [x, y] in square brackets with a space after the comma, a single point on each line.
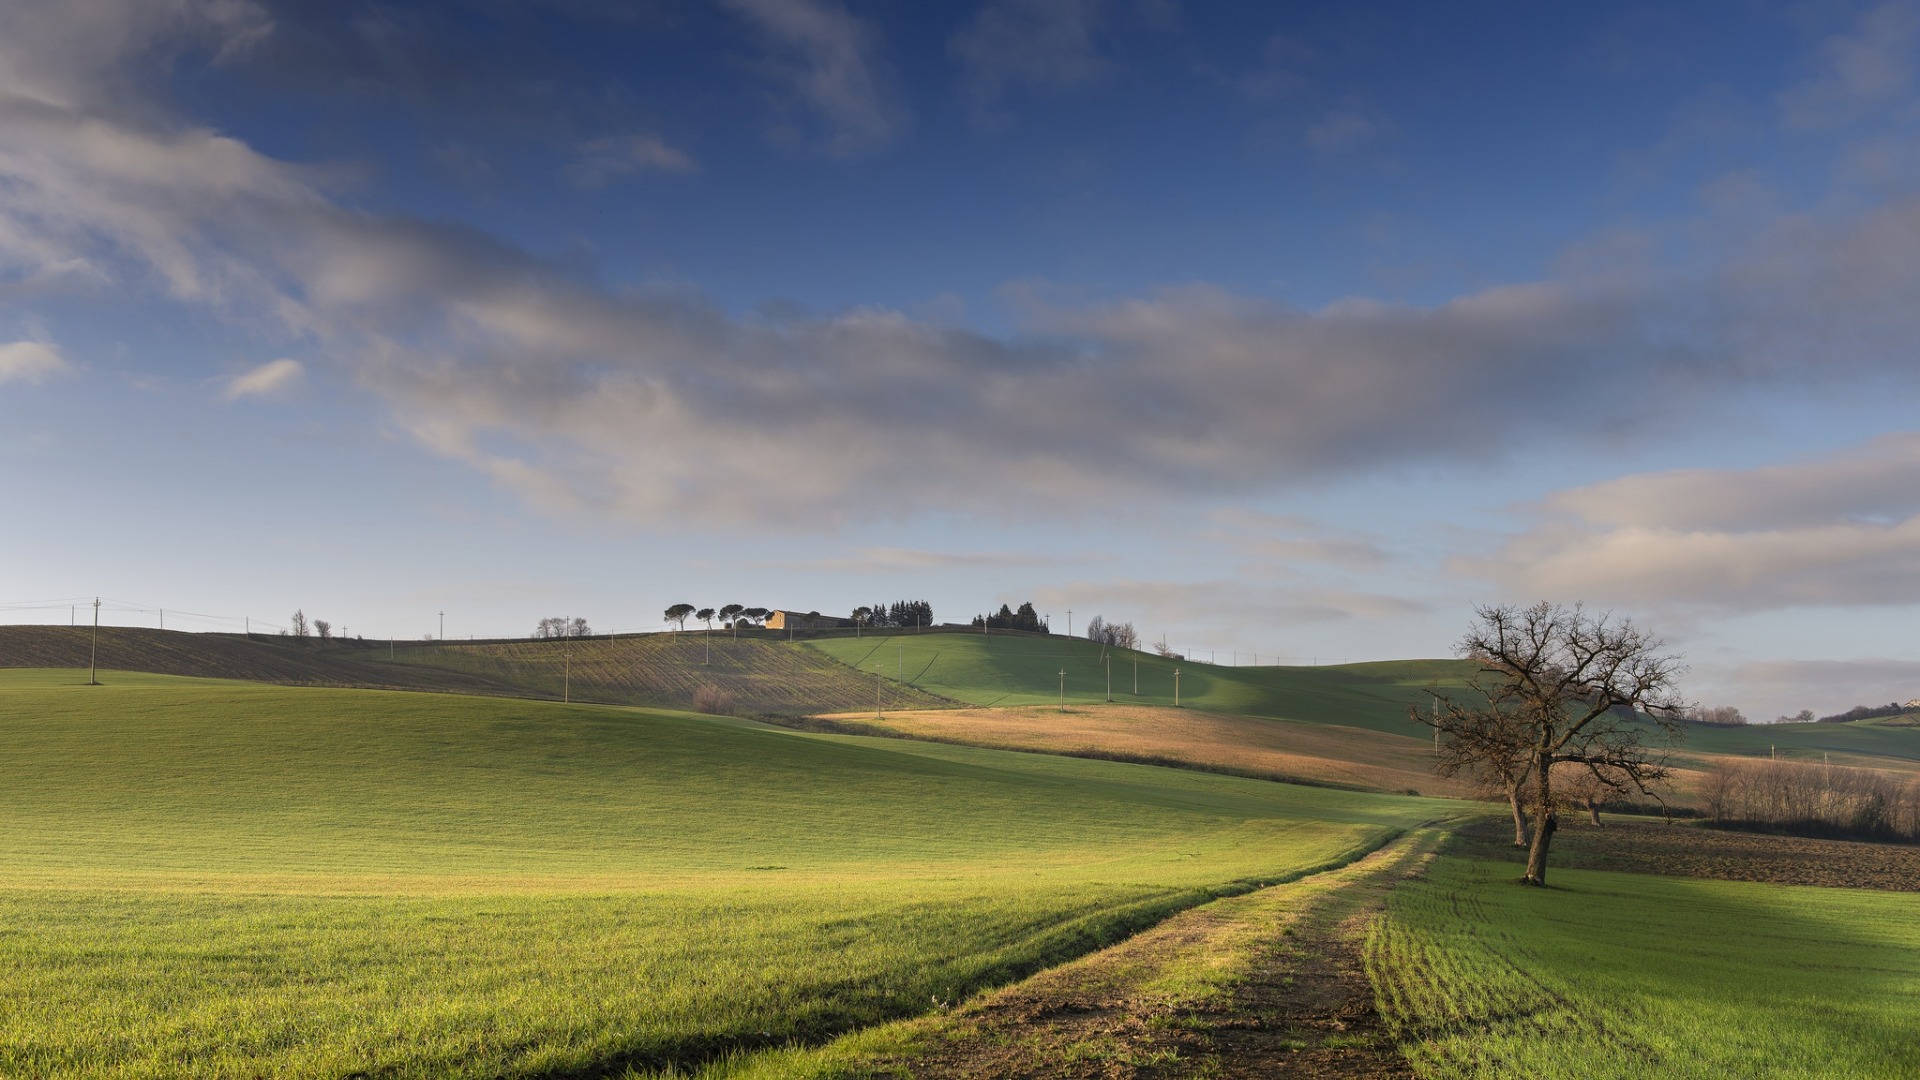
[1837, 530]
[656, 405]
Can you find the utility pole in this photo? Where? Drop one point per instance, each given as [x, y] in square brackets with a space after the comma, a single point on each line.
[879, 681]
[1063, 684]
[163, 618]
[1109, 666]
[900, 663]
[1176, 688]
[443, 626]
[93, 658]
[1069, 622]
[709, 646]
[1136, 674]
[566, 674]
[249, 622]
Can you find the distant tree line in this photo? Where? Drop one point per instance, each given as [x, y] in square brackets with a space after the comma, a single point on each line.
[898, 613]
[1865, 712]
[730, 615]
[1811, 799]
[1023, 618]
[1118, 635]
[561, 626]
[1717, 716]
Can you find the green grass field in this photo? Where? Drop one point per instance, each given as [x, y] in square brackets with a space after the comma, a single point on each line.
[230, 879]
[1626, 975]
[1014, 669]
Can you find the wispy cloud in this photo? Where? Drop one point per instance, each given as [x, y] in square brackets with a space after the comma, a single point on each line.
[1349, 129]
[830, 58]
[1291, 541]
[1870, 66]
[601, 161]
[907, 560]
[1014, 45]
[273, 378]
[31, 362]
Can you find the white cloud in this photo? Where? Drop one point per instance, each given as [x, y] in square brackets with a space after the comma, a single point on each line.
[270, 379]
[1839, 530]
[1872, 65]
[829, 57]
[613, 157]
[31, 362]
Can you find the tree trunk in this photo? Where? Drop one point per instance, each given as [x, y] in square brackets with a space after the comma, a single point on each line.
[1519, 817]
[1544, 823]
[1593, 809]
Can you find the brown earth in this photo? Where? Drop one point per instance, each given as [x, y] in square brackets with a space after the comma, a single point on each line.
[261, 658]
[1269, 984]
[1285, 750]
[1691, 850]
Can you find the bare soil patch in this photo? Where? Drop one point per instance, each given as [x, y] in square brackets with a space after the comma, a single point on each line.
[1266, 985]
[1285, 750]
[1688, 850]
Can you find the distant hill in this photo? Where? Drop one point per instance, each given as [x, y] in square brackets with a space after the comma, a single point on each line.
[259, 658]
[1015, 669]
[688, 670]
[750, 676]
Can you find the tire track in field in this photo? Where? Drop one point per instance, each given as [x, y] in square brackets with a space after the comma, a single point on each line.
[1268, 984]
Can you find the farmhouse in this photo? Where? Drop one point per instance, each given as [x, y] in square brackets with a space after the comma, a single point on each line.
[812, 620]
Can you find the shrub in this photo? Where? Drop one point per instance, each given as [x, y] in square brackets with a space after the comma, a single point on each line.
[713, 700]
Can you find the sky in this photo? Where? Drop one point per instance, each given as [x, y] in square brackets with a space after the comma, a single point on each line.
[1285, 332]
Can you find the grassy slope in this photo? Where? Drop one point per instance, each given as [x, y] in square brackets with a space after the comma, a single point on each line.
[1625, 975]
[228, 878]
[1021, 670]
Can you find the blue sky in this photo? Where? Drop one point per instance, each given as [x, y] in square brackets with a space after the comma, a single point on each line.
[1282, 329]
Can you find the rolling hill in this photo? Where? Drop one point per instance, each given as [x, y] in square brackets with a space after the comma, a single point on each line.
[232, 879]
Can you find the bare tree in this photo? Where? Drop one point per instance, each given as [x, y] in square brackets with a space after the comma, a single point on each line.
[324, 629]
[678, 614]
[1118, 635]
[1573, 688]
[1488, 739]
[562, 626]
[298, 624]
[1589, 789]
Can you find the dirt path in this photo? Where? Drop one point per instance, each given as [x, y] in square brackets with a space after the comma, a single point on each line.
[1264, 985]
